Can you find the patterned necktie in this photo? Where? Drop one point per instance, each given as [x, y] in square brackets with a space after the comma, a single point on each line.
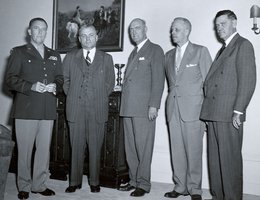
[88, 60]
[178, 59]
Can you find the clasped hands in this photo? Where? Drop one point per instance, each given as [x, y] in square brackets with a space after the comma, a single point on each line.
[41, 87]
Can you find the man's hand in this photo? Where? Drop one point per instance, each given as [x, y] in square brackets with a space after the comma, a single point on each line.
[152, 113]
[51, 88]
[236, 120]
[39, 87]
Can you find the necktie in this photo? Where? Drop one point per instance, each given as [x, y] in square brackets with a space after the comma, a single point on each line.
[88, 60]
[221, 50]
[135, 51]
[178, 59]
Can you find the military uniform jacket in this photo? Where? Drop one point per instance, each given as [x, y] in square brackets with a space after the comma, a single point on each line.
[26, 67]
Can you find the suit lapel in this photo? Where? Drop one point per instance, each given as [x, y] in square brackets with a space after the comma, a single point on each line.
[171, 65]
[133, 60]
[219, 60]
[79, 61]
[47, 53]
[98, 58]
[33, 51]
[130, 61]
[186, 58]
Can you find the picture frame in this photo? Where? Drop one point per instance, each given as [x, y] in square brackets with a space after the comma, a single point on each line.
[106, 15]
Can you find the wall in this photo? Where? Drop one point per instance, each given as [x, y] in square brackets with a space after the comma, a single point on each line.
[14, 17]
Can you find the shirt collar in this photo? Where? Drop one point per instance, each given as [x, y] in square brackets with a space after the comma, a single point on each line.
[139, 46]
[183, 47]
[91, 54]
[227, 41]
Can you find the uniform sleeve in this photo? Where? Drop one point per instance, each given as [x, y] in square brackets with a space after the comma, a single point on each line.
[59, 76]
[13, 74]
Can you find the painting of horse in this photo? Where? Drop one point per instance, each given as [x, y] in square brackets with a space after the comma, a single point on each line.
[106, 15]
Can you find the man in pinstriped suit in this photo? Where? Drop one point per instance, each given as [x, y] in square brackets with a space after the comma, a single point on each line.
[88, 80]
[229, 87]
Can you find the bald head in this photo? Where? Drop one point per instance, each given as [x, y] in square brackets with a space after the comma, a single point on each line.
[180, 30]
[138, 30]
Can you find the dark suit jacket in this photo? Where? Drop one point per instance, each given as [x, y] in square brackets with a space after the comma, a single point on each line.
[25, 67]
[186, 87]
[230, 82]
[103, 82]
[143, 82]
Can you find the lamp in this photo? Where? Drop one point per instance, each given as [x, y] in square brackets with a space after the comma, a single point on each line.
[255, 13]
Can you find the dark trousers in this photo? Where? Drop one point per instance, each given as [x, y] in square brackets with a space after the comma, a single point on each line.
[225, 161]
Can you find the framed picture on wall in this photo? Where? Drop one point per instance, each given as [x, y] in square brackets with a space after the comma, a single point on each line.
[106, 15]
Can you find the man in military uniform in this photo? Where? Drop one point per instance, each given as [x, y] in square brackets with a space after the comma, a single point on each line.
[34, 74]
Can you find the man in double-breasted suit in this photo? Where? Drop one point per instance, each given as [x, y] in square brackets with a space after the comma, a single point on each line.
[186, 69]
[88, 81]
[229, 87]
[34, 74]
[141, 96]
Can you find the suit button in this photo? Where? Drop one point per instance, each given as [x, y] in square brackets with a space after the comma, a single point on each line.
[79, 97]
[216, 85]
[221, 72]
[213, 97]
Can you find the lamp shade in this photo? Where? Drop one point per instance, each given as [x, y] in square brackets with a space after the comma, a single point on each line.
[254, 11]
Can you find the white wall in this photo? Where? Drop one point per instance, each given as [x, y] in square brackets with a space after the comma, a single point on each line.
[14, 17]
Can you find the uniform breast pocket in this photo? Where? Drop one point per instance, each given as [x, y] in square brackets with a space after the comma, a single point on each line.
[52, 64]
[29, 66]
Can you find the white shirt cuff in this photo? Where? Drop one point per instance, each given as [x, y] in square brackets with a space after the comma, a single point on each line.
[235, 111]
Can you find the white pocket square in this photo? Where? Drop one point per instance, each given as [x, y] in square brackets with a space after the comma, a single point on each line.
[191, 65]
[141, 58]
